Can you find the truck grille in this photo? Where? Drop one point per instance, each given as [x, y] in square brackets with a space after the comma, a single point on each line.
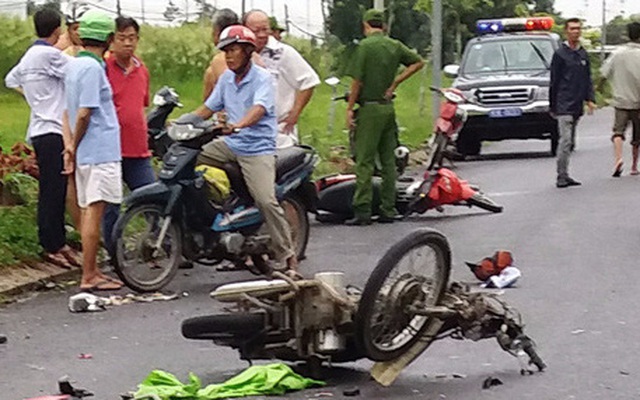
[505, 96]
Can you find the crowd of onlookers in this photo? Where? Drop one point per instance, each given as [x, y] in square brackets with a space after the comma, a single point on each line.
[88, 92]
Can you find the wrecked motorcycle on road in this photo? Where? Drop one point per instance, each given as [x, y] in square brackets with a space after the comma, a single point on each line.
[405, 305]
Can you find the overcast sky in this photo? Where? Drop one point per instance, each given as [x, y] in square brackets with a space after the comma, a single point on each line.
[307, 14]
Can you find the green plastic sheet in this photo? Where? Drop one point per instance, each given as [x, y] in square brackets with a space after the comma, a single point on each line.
[272, 379]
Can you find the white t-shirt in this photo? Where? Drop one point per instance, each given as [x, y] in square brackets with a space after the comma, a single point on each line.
[40, 74]
[291, 73]
[623, 69]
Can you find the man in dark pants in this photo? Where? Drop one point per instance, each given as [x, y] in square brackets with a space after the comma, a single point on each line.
[373, 70]
[571, 86]
[129, 79]
[40, 77]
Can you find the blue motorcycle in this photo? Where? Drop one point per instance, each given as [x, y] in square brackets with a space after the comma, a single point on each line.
[205, 215]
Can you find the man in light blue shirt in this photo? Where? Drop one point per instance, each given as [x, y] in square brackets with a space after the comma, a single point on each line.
[39, 76]
[245, 92]
[92, 136]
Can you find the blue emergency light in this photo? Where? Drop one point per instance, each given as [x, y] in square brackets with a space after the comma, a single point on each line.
[488, 26]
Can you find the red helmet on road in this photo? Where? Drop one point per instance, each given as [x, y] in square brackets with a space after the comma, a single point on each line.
[236, 34]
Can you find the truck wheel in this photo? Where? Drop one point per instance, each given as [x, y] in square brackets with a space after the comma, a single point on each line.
[469, 146]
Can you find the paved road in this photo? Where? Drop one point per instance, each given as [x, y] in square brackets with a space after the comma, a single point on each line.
[577, 247]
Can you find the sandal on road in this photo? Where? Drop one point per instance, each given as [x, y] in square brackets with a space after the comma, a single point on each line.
[104, 284]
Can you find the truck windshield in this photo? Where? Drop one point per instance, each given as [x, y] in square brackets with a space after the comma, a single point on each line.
[506, 56]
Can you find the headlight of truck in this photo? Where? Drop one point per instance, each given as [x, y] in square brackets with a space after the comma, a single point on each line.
[542, 93]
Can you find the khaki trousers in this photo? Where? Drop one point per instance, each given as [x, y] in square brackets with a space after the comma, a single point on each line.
[260, 175]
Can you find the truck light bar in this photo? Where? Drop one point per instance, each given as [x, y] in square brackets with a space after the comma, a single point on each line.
[487, 26]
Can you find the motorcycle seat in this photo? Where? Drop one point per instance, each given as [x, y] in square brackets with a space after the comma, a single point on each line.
[287, 159]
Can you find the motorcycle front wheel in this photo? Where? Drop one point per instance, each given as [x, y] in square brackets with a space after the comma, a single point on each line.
[139, 261]
[412, 274]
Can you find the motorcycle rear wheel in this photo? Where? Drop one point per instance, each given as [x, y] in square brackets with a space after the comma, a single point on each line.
[385, 325]
[137, 263]
[298, 219]
[223, 326]
[482, 201]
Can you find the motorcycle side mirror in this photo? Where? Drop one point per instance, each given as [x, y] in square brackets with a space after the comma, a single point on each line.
[332, 81]
[452, 70]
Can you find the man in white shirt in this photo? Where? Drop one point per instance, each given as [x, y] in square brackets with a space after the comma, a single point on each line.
[294, 78]
[623, 69]
[39, 76]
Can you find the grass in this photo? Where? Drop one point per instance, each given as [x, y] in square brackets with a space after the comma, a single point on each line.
[14, 120]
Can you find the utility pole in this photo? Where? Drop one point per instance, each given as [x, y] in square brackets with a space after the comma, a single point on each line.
[142, 10]
[186, 10]
[286, 17]
[436, 54]
[603, 34]
[378, 4]
[118, 8]
[243, 6]
[272, 11]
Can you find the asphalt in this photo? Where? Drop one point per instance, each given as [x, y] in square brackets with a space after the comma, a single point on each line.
[577, 249]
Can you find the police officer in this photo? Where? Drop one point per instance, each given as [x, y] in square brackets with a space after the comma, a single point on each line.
[373, 69]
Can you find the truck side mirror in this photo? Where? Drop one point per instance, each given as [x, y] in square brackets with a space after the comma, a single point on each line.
[452, 70]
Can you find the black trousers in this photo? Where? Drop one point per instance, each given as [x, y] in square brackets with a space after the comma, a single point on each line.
[52, 191]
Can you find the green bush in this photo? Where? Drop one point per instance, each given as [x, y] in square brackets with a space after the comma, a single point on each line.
[175, 54]
[18, 229]
[15, 37]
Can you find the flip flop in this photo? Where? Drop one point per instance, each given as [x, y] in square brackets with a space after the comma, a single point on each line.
[58, 259]
[105, 284]
[67, 253]
[618, 171]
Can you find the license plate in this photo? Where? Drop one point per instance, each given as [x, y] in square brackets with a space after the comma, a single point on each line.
[505, 113]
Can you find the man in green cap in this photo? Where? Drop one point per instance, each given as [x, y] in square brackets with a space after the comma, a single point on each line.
[92, 141]
[374, 71]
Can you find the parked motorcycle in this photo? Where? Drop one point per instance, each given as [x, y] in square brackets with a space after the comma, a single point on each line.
[205, 214]
[448, 125]
[404, 307]
[165, 101]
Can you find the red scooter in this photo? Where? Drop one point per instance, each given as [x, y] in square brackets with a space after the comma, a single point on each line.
[413, 194]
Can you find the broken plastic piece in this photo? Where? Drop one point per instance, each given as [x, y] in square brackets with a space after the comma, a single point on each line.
[83, 302]
[67, 389]
[3, 339]
[351, 392]
[85, 356]
[491, 381]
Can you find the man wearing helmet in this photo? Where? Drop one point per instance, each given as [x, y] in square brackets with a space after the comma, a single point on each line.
[92, 141]
[245, 92]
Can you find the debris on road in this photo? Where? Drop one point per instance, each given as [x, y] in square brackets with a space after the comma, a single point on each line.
[578, 331]
[351, 392]
[490, 382]
[625, 373]
[52, 397]
[85, 356]
[65, 388]
[82, 302]
[323, 394]
[35, 367]
[3, 339]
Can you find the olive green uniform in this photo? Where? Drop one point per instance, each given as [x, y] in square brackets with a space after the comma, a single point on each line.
[375, 65]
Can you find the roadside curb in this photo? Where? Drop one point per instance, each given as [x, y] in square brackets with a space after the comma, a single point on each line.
[29, 277]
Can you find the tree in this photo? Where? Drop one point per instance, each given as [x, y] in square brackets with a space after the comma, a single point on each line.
[205, 10]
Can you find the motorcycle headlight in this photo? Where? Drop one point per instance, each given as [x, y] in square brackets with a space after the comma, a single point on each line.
[158, 100]
[542, 93]
[183, 132]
